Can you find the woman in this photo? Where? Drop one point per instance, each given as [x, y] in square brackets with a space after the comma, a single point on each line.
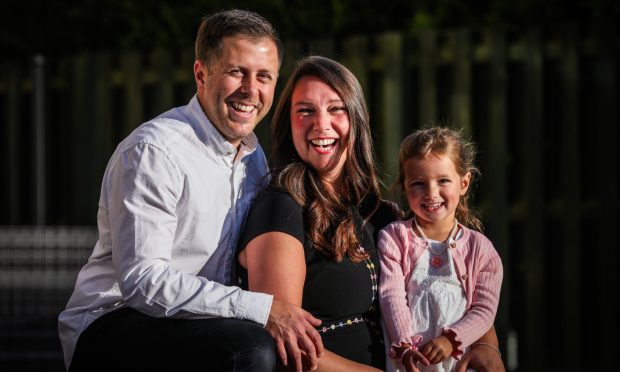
[309, 238]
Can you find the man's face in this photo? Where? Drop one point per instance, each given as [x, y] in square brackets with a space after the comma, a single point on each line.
[236, 89]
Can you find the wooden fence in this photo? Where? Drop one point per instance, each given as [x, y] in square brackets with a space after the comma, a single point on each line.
[542, 104]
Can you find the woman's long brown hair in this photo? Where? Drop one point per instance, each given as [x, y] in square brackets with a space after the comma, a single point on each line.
[329, 216]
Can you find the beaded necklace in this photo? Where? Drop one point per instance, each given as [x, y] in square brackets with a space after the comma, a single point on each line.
[374, 288]
[436, 257]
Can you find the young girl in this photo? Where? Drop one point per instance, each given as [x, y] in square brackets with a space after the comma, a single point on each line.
[440, 280]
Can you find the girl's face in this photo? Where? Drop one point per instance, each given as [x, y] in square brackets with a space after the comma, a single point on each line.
[434, 188]
[320, 127]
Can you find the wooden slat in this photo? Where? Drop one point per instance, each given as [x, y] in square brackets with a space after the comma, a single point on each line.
[427, 89]
[102, 134]
[571, 201]
[82, 208]
[164, 95]
[185, 75]
[461, 94]
[532, 199]
[495, 177]
[355, 57]
[12, 140]
[605, 239]
[39, 141]
[390, 118]
[134, 112]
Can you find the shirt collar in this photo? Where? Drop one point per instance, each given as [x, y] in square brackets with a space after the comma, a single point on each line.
[210, 136]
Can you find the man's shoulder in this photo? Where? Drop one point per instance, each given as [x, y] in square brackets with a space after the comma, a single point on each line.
[162, 131]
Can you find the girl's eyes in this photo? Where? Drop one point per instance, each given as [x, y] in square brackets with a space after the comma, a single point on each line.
[444, 180]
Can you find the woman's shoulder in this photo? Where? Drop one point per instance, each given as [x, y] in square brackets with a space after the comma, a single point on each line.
[274, 197]
[387, 212]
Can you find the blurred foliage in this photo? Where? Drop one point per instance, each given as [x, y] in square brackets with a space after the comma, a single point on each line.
[62, 26]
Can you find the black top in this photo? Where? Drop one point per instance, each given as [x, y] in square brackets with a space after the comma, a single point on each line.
[342, 294]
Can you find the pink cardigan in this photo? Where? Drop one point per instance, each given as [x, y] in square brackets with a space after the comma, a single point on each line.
[478, 267]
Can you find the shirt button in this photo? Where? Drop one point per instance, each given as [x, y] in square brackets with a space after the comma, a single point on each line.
[453, 245]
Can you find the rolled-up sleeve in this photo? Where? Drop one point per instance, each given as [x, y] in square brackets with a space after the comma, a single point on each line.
[144, 189]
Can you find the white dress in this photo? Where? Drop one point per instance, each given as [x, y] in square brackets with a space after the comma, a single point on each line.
[436, 299]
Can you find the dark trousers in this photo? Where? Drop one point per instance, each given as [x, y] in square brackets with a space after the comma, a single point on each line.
[126, 339]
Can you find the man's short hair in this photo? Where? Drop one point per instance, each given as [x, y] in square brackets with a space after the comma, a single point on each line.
[215, 27]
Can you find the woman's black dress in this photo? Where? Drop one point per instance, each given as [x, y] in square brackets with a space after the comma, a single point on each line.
[342, 294]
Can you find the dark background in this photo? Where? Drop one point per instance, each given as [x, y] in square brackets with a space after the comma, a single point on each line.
[534, 83]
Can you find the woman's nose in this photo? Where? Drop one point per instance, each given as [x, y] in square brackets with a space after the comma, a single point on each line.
[322, 121]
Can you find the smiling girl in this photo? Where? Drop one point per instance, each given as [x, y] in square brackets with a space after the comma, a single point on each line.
[440, 282]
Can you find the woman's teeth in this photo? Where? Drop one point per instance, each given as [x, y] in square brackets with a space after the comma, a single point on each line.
[323, 142]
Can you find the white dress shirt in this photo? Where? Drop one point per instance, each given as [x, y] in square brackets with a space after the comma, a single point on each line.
[173, 199]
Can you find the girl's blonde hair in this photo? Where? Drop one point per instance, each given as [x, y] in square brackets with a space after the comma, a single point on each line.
[443, 142]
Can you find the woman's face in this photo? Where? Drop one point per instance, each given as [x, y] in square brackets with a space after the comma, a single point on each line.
[320, 126]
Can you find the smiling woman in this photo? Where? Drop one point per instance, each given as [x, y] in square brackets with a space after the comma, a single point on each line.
[308, 239]
[320, 127]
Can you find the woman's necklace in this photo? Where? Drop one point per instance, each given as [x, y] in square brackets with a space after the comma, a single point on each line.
[436, 260]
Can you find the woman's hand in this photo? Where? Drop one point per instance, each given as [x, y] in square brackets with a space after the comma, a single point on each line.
[482, 359]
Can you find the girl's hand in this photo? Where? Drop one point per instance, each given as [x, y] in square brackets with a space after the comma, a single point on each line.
[410, 356]
[437, 349]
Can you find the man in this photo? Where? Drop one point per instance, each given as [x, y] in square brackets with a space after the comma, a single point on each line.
[156, 292]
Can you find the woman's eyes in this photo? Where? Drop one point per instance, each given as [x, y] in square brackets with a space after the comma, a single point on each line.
[304, 111]
[338, 109]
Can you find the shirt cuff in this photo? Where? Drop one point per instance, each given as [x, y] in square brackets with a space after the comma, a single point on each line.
[254, 306]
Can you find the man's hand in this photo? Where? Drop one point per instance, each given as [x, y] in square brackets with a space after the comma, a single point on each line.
[482, 359]
[292, 329]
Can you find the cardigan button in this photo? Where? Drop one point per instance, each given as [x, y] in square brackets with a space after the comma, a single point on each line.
[453, 245]
[464, 276]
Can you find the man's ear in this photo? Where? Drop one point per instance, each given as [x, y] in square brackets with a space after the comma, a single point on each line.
[199, 73]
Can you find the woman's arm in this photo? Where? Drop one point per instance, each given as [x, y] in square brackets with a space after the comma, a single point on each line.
[276, 265]
[483, 355]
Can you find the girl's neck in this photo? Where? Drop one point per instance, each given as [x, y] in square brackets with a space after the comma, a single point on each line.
[435, 231]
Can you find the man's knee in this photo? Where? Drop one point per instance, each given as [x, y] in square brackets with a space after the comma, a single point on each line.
[260, 357]
[241, 345]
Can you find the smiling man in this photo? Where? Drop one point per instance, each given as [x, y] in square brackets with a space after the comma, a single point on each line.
[157, 291]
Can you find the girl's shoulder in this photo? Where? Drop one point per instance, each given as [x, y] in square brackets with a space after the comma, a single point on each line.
[474, 239]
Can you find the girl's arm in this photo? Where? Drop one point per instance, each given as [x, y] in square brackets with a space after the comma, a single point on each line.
[276, 265]
[392, 292]
[486, 291]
